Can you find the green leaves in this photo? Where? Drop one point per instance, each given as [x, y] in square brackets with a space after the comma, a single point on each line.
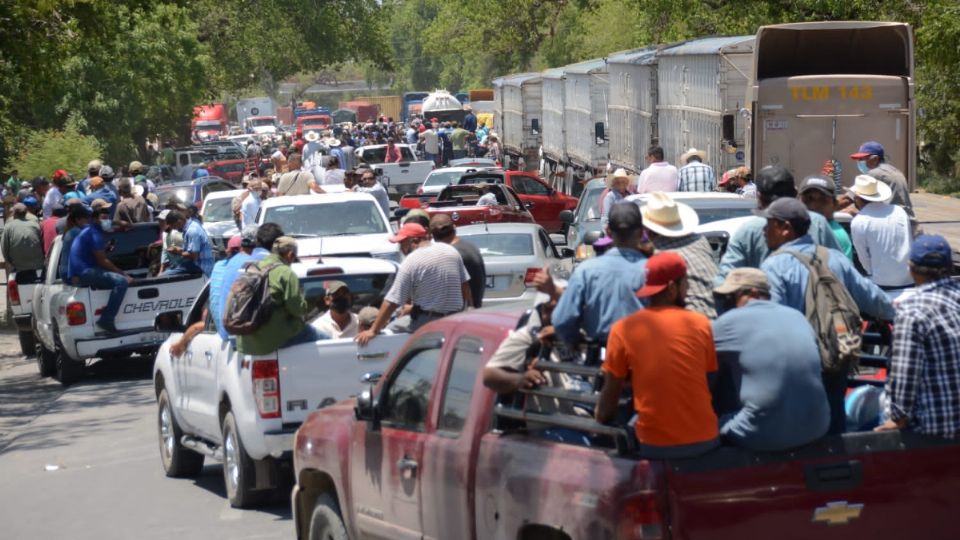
[48, 150]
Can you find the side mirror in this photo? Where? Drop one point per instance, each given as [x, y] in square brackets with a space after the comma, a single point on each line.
[371, 377]
[567, 253]
[598, 133]
[366, 409]
[727, 130]
[566, 216]
[169, 322]
[535, 125]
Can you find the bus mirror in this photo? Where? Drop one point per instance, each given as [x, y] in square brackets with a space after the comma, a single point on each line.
[728, 128]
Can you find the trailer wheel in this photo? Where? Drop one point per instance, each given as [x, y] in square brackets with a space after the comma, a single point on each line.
[325, 522]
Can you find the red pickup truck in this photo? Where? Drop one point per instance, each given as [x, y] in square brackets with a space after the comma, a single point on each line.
[429, 452]
[461, 203]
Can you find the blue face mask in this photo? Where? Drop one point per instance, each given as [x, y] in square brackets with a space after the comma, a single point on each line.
[862, 165]
[106, 225]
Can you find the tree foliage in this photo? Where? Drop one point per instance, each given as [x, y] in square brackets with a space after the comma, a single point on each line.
[48, 150]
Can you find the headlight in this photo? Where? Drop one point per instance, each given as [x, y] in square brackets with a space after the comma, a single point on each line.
[584, 252]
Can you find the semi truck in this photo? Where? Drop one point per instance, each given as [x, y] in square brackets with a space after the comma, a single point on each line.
[258, 106]
[209, 121]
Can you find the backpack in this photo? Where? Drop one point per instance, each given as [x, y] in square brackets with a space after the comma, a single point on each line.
[248, 304]
[833, 313]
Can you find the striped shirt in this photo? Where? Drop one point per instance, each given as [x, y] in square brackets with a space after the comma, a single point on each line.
[701, 269]
[431, 277]
[195, 240]
[697, 176]
[924, 381]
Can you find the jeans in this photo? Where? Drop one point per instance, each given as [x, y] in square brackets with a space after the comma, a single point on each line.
[309, 334]
[98, 278]
[183, 269]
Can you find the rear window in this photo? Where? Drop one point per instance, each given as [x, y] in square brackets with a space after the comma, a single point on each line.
[443, 178]
[503, 244]
[215, 210]
[183, 194]
[336, 219]
[589, 207]
[379, 154]
[367, 290]
[482, 179]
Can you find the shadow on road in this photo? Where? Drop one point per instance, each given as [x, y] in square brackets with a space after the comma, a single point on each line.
[211, 479]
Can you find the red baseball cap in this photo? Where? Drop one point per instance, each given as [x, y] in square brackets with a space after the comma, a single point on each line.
[234, 242]
[662, 269]
[409, 230]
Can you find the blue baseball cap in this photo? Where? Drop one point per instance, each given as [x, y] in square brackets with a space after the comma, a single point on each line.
[867, 149]
[931, 250]
[30, 201]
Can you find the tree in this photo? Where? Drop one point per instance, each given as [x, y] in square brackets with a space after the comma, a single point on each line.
[48, 150]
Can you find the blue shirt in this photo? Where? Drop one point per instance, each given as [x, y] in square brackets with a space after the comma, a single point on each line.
[788, 280]
[67, 243]
[769, 392]
[748, 247]
[104, 193]
[195, 240]
[611, 198]
[600, 292]
[81, 250]
[220, 291]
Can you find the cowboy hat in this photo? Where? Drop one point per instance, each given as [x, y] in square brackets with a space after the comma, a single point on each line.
[667, 217]
[870, 189]
[331, 141]
[311, 136]
[693, 152]
[619, 173]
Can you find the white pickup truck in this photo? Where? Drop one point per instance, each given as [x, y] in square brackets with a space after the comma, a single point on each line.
[244, 410]
[21, 288]
[345, 224]
[402, 178]
[64, 314]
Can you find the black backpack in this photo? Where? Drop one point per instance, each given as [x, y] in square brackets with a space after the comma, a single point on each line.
[833, 313]
[249, 305]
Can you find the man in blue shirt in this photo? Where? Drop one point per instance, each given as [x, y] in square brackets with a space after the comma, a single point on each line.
[748, 247]
[603, 290]
[89, 264]
[197, 252]
[769, 394]
[255, 244]
[788, 222]
[98, 190]
[77, 220]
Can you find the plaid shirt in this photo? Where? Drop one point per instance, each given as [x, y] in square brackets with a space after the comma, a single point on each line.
[701, 269]
[697, 176]
[924, 381]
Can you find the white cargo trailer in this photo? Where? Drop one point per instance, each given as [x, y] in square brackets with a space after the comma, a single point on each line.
[554, 148]
[699, 81]
[522, 112]
[497, 85]
[632, 110]
[586, 95]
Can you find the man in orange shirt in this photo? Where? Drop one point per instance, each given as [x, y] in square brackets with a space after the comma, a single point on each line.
[667, 351]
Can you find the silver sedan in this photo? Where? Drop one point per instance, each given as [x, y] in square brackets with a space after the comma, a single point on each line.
[513, 253]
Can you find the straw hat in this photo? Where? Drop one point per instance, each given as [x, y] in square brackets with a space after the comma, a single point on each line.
[667, 217]
[312, 136]
[870, 189]
[693, 152]
[619, 173]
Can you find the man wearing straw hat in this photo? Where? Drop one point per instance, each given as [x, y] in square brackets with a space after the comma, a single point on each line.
[881, 233]
[670, 226]
[617, 186]
[696, 175]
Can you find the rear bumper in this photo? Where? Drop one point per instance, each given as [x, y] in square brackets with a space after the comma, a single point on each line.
[142, 340]
[279, 444]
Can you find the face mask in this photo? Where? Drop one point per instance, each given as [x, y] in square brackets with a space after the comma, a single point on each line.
[342, 303]
[724, 302]
[106, 225]
[862, 165]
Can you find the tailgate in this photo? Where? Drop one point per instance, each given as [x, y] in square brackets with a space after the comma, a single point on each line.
[146, 298]
[314, 375]
[860, 485]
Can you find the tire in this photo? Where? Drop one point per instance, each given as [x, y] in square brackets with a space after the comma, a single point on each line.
[325, 522]
[239, 474]
[69, 370]
[28, 343]
[177, 461]
[46, 360]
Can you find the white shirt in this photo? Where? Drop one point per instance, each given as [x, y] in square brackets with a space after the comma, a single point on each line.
[488, 199]
[431, 142]
[249, 209]
[327, 325]
[333, 176]
[51, 200]
[659, 176]
[881, 235]
[380, 194]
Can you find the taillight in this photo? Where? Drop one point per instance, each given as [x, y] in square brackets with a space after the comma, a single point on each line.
[641, 518]
[528, 277]
[14, 291]
[76, 314]
[584, 252]
[266, 387]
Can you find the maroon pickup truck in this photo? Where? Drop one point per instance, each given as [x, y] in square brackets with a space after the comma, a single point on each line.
[461, 204]
[429, 452]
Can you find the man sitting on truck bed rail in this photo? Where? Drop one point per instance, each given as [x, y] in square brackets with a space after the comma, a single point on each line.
[667, 352]
[871, 161]
[768, 393]
[922, 386]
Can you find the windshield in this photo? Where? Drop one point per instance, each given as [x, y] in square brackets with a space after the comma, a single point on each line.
[379, 154]
[503, 244]
[218, 210]
[208, 124]
[317, 220]
[183, 194]
[443, 178]
[367, 290]
[589, 207]
[258, 122]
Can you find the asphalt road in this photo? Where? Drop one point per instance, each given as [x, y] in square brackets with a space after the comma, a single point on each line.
[83, 463]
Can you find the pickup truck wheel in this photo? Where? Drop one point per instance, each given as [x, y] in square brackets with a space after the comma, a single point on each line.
[46, 360]
[239, 474]
[69, 370]
[28, 343]
[325, 522]
[177, 461]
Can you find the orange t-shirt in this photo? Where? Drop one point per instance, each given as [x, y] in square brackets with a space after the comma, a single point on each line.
[667, 351]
